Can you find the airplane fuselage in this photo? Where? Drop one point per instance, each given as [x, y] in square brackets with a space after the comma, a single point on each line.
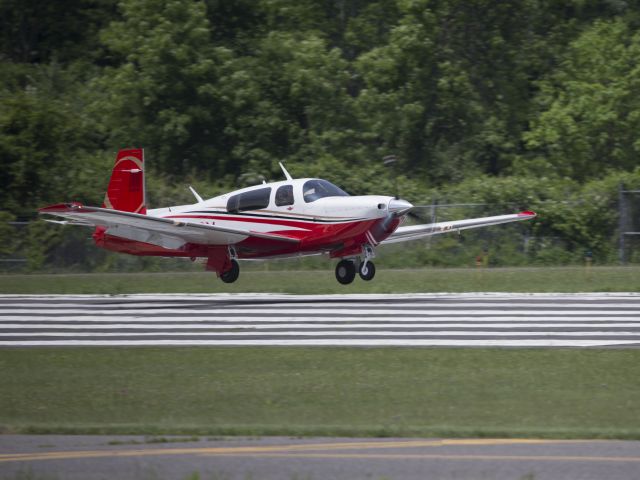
[323, 219]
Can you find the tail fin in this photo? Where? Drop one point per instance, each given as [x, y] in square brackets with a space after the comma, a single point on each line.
[126, 187]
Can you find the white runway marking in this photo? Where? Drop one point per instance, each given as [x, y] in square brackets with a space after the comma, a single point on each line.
[419, 320]
[321, 311]
[322, 343]
[221, 319]
[342, 333]
[289, 326]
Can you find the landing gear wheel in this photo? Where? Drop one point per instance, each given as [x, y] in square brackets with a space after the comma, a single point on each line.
[232, 274]
[345, 271]
[367, 271]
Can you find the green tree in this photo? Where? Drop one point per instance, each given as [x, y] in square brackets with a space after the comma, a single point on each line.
[43, 140]
[589, 107]
[285, 103]
[161, 93]
[36, 31]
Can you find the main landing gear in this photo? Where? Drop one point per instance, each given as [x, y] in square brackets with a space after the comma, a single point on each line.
[232, 274]
[345, 271]
[224, 262]
[346, 268]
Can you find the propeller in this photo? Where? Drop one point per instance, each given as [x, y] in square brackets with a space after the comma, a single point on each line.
[418, 212]
[399, 207]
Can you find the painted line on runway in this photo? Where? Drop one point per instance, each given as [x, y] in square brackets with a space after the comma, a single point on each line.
[321, 343]
[427, 312]
[329, 333]
[275, 327]
[429, 456]
[311, 319]
[304, 305]
[273, 449]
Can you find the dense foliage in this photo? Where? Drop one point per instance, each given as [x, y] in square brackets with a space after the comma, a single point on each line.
[510, 104]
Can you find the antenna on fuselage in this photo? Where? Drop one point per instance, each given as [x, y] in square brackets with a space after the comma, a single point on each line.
[195, 194]
[284, 170]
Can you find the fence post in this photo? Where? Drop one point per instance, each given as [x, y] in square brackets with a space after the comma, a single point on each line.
[622, 222]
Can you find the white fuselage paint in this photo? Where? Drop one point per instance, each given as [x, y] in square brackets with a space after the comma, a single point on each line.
[328, 209]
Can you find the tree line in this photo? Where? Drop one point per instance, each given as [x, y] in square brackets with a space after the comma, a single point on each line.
[521, 104]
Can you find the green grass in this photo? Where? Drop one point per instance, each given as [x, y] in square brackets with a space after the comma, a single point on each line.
[561, 393]
[543, 279]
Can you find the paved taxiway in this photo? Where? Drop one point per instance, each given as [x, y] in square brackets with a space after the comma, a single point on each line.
[429, 320]
[96, 457]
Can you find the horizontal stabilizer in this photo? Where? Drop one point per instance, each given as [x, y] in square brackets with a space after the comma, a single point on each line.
[120, 223]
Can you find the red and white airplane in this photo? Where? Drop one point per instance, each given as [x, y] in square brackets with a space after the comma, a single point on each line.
[290, 218]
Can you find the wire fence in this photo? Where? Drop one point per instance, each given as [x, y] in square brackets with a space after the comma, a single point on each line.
[34, 245]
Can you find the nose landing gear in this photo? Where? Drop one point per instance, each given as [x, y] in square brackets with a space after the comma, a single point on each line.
[367, 271]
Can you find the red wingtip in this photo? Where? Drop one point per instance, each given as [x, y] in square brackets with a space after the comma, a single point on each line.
[60, 207]
[528, 213]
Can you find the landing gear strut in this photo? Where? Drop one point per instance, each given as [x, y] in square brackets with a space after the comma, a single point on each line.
[223, 261]
[345, 271]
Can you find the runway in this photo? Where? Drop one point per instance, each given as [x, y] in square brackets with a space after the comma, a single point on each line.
[97, 457]
[408, 320]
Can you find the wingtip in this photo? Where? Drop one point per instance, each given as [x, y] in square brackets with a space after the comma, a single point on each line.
[60, 207]
[528, 213]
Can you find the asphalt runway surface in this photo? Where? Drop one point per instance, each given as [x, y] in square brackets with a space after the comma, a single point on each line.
[427, 320]
[124, 458]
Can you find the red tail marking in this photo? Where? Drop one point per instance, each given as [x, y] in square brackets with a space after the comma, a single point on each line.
[126, 187]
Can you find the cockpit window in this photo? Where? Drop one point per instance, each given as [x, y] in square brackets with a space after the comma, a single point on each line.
[315, 189]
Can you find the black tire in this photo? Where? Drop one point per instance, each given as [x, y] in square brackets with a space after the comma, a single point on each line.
[369, 273]
[345, 272]
[232, 274]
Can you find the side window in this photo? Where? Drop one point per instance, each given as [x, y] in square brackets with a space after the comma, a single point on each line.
[284, 196]
[252, 200]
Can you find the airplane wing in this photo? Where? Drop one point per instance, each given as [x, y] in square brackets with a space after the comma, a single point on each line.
[415, 232]
[165, 232]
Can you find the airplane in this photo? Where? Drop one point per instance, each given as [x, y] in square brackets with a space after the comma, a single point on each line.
[289, 218]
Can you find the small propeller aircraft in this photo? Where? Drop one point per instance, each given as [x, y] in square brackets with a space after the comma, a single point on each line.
[290, 218]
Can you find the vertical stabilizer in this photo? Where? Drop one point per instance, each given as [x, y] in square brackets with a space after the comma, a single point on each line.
[126, 187]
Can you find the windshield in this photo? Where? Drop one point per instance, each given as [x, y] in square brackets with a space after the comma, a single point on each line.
[315, 189]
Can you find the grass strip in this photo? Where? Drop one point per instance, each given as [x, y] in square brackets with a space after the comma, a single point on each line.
[560, 279]
[564, 393]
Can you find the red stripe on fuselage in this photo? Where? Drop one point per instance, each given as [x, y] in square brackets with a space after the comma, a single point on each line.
[298, 222]
[308, 231]
[314, 237]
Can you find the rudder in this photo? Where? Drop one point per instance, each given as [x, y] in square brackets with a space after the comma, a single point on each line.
[126, 190]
